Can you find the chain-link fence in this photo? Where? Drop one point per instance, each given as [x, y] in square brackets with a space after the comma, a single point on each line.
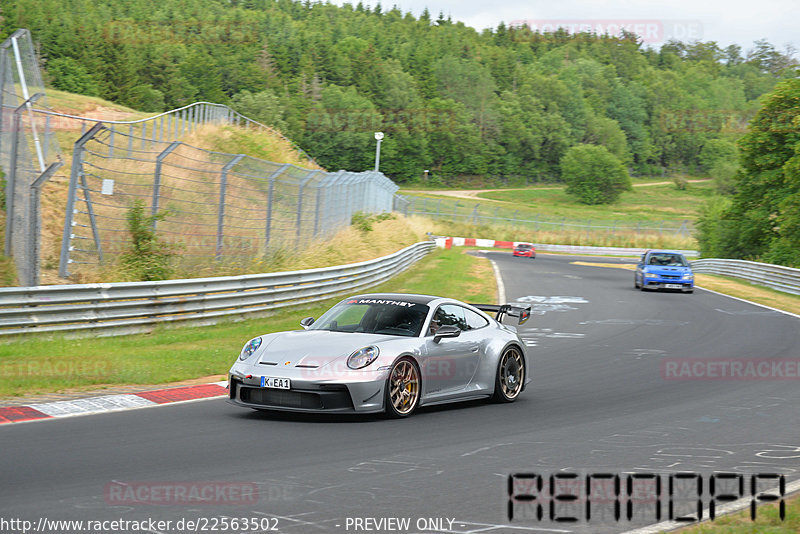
[215, 206]
[465, 211]
[29, 153]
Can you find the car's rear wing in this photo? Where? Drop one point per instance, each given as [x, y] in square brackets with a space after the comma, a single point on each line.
[523, 312]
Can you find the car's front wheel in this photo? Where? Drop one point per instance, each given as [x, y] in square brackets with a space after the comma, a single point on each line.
[510, 375]
[402, 388]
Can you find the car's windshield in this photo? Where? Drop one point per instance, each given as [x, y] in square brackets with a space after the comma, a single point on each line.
[523, 247]
[374, 316]
[666, 259]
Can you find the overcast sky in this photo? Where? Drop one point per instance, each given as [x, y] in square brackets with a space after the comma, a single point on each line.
[725, 21]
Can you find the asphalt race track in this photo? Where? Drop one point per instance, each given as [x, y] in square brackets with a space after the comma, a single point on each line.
[600, 402]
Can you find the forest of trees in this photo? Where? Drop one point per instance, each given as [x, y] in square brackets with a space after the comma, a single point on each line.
[505, 104]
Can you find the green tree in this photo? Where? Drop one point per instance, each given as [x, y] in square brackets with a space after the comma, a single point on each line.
[69, 75]
[593, 174]
[764, 217]
[263, 107]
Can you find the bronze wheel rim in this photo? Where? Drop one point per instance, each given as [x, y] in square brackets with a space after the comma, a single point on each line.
[512, 373]
[404, 387]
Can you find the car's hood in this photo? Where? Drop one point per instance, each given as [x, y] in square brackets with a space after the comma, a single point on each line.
[313, 347]
[657, 269]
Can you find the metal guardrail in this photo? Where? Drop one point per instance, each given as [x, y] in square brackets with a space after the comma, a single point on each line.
[129, 307]
[545, 247]
[602, 251]
[777, 277]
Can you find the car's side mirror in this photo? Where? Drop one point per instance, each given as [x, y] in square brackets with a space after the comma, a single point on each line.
[447, 330]
[308, 321]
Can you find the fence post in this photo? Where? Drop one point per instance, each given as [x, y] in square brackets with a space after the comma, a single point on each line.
[77, 156]
[475, 214]
[11, 183]
[92, 220]
[32, 278]
[438, 207]
[270, 193]
[130, 141]
[111, 142]
[316, 209]
[221, 212]
[300, 187]
[157, 179]
[28, 101]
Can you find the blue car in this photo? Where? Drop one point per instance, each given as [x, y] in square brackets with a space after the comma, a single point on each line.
[663, 269]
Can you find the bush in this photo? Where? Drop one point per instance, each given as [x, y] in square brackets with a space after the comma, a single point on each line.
[723, 173]
[593, 174]
[146, 98]
[148, 258]
[364, 221]
[680, 181]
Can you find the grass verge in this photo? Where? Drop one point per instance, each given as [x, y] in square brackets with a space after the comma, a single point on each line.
[594, 238]
[42, 364]
[752, 292]
[767, 521]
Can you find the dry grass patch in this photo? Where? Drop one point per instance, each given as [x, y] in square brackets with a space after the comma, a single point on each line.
[745, 290]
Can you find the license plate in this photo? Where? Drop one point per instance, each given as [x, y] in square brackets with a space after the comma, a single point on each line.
[276, 383]
[673, 286]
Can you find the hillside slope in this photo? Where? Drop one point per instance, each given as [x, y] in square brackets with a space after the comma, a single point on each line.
[260, 144]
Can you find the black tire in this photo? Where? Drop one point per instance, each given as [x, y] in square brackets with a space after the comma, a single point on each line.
[635, 283]
[510, 377]
[403, 386]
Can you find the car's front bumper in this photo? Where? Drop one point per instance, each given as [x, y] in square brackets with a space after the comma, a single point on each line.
[358, 396]
[668, 283]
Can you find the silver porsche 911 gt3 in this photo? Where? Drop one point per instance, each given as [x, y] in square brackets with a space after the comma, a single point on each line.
[385, 352]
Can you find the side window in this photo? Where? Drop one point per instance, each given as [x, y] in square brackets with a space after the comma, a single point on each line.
[448, 314]
[474, 320]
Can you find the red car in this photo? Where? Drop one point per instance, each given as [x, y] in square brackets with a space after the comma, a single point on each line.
[526, 250]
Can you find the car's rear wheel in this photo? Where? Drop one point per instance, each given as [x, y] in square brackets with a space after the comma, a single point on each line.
[402, 388]
[510, 375]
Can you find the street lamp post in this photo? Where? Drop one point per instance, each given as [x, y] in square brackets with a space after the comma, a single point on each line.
[379, 138]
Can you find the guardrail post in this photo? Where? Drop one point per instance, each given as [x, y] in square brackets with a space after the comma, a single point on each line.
[157, 179]
[221, 213]
[300, 187]
[270, 193]
[11, 182]
[77, 166]
[32, 278]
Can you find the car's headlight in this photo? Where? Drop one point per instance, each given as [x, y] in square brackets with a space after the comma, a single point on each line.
[688, 276]
[250, 348]
[650, 275]
[363, 357]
